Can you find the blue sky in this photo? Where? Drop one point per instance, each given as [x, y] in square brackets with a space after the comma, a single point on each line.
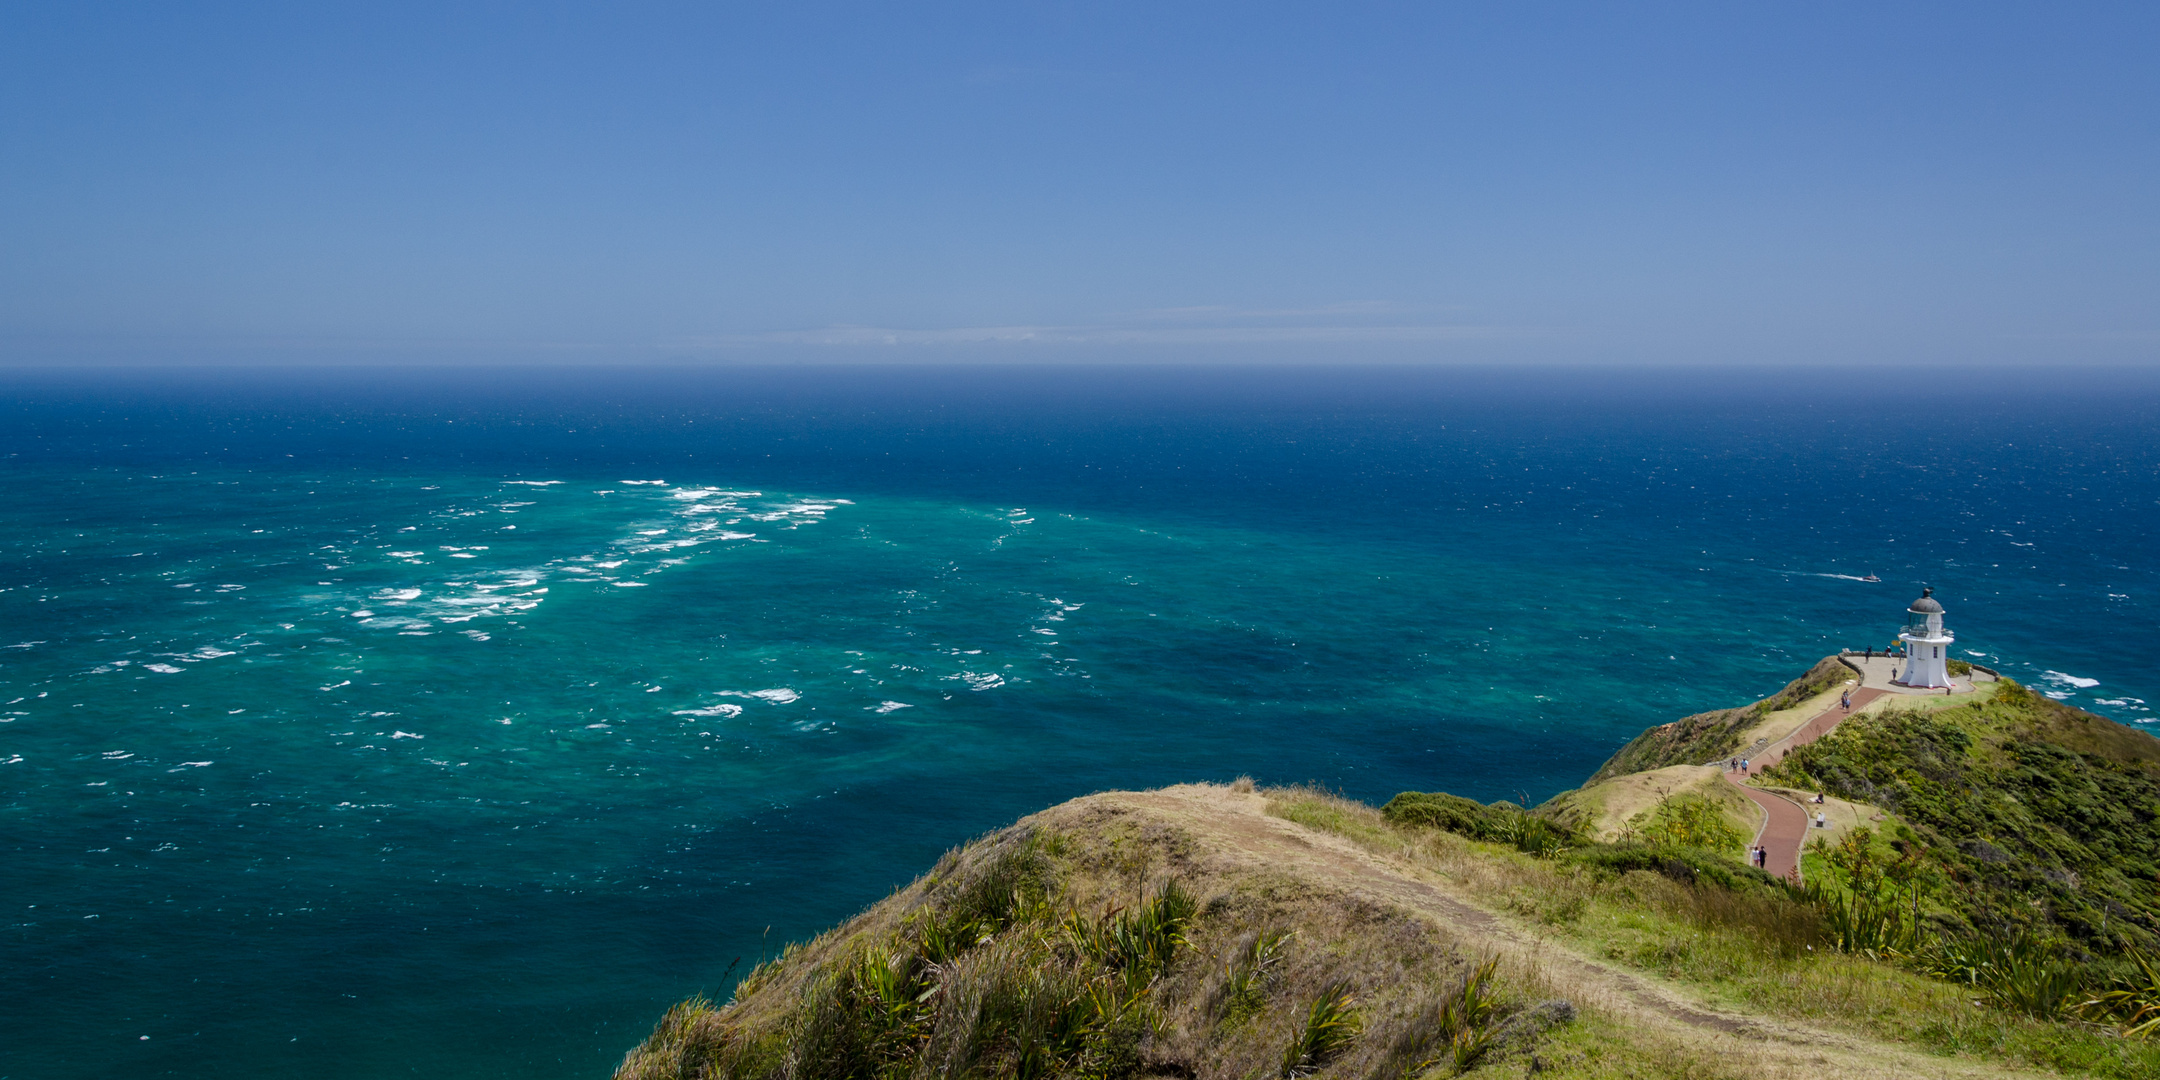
[1629, 183]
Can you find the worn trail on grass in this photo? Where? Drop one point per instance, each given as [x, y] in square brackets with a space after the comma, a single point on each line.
[1235, 836]
[1785, 823]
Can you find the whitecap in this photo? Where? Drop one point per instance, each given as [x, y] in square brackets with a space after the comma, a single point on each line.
[117, 755]
[716, 710]
[407, 554]
[211, 652]
[2070, 680]
[162, 669]
[533, 483]
[193, 765]
[636, 483]
[405, 735]
[632, 584]
[888, 706]
[779, 695]
[397, 595]
[980, 680]
[363, 613]
[2056, 694]
[464, 555]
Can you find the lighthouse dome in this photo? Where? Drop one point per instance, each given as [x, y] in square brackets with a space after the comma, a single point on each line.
[1927, 604]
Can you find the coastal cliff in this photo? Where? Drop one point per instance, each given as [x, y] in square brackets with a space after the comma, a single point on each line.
[1707, 736]
[1228, 931]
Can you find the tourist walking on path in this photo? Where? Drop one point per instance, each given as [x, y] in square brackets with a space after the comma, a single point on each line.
[1785, 824]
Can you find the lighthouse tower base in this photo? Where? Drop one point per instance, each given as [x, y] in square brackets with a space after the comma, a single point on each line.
[1927, 661]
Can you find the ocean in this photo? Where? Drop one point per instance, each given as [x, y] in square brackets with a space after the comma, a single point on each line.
[380, 722]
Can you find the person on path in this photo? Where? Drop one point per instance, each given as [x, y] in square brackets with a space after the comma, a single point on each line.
[1847, 701]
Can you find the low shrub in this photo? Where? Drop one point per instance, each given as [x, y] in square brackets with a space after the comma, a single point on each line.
[1686, 865]
[2132, 1001]
[1499, 823]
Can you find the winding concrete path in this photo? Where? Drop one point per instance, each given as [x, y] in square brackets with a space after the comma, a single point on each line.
[1785, 822]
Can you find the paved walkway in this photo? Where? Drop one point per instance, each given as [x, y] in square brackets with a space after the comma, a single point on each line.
[1785, 823]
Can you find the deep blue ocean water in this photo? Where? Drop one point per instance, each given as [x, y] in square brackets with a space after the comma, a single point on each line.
[364, 723]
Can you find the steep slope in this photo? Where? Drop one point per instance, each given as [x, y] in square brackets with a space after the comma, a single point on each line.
[2019, 809]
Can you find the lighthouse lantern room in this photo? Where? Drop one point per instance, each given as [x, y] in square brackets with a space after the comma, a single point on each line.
[1927, 644]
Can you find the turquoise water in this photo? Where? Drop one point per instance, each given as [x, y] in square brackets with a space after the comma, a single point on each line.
[372, 724]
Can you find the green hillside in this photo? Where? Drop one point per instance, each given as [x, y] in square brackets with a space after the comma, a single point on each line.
[1995, 915]
[2019, 810]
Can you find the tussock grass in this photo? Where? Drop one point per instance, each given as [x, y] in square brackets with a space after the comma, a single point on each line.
[1095, 950]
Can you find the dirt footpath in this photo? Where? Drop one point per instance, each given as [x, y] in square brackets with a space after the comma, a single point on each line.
[1238, 837]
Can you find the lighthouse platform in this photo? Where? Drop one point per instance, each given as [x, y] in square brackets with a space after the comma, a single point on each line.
[1878, 671]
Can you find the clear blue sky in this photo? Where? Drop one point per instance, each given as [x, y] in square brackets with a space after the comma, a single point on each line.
[1714, 182]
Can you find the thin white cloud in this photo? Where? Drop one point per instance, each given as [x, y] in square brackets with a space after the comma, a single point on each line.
[862, 336]
[1218, 313]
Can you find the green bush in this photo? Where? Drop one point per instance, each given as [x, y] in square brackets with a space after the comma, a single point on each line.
[1686, 865]
[1687, 821]
[2021, 971]
[1331, 1023]
[2132, 1000]
[1499, 823]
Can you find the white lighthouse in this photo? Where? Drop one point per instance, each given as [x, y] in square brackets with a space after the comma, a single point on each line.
[1925, 644]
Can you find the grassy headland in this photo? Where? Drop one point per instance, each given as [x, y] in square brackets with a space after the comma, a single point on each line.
[1209, 931]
